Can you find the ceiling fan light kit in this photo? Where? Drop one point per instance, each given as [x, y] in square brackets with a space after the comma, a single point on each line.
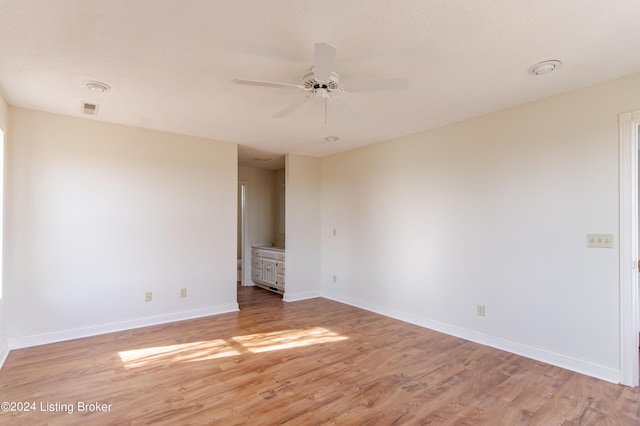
[310, 82]
[322, 82]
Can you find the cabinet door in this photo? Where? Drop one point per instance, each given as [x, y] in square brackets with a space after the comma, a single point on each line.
[269, 271]
[280, 283]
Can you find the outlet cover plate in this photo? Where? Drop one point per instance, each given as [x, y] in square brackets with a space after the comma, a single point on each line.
[600, 240]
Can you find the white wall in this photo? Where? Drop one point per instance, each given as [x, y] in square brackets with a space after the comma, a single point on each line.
[302, 223]
[99, 214]
[4, 347]
[260, 212]
[279, 208]
[492, 211]
[4, 114]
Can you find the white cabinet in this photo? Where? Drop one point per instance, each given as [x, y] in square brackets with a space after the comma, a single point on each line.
[267, 268]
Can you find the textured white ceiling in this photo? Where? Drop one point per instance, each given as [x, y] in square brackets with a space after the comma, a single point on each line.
[171, 63]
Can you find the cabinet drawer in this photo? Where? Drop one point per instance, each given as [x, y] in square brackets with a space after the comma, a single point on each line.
[269, 254]
[280, 256]
[256, 262]
[281, 268]
[256, 252]
[256, 274]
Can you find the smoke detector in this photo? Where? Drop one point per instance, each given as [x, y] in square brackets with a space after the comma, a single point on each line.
[96, 86]
[544, 67]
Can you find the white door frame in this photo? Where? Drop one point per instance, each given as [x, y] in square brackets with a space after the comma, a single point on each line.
[242, 193]
[628, 209]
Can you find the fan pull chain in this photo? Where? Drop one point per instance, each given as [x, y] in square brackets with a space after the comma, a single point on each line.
[326, 101]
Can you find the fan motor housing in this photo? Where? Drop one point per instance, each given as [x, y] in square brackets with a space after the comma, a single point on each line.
[309, 82]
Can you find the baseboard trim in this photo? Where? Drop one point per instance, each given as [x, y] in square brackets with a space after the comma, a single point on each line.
[543, 355]
[4, 353]
[77, 333]
[295, 297]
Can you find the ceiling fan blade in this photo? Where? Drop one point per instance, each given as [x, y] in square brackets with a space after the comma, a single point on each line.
[291, 107]
[325, 56]
[378, 85]
[346, 108]
[267, 84]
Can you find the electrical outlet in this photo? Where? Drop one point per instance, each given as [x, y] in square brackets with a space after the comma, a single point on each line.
[335, 278]
[334, 232]
[480, 310]
[147, 296]
[183, 292]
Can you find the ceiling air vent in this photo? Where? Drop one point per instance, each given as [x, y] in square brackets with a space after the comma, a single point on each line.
[90, 109]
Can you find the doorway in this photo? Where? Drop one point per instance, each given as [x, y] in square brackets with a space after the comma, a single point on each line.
[629, 130]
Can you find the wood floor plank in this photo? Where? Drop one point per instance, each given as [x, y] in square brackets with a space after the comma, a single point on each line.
[314, 362]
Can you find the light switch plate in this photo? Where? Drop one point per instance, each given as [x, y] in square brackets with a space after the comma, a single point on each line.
[600, 240]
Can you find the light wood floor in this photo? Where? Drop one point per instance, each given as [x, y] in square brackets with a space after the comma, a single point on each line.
[302, 363]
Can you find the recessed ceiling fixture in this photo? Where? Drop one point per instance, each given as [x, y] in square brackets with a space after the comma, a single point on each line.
[544, 67]
[262, 159]
[97, 86]
[332, 139]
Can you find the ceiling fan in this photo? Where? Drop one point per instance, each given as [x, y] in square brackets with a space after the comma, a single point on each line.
[322, 82]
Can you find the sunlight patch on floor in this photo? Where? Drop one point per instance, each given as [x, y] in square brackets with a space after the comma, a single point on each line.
[184, 352]
[264, 342]
[220, 348]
